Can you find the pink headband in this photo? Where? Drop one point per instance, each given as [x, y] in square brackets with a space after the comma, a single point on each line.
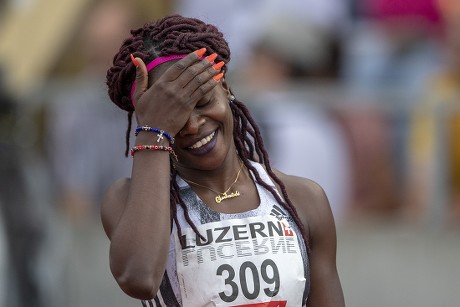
[154, 64]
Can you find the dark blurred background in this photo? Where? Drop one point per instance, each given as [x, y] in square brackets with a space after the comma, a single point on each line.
[362, 96]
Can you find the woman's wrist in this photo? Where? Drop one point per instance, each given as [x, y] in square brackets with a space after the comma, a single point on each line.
[153, 139]
[161, 134]
[148, 138]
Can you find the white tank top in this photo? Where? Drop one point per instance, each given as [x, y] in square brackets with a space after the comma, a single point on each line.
[254, 258]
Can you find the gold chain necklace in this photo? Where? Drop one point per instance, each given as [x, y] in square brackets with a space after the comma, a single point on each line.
[221, 196]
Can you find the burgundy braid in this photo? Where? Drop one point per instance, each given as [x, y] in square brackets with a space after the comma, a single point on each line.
[180, 35]
[242, 118]
[180, 201]
[130, 121]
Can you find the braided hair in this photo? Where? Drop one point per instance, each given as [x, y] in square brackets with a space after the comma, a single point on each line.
[176, 34]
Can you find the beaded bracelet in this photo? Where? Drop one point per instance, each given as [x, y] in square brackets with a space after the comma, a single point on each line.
[154, 147]
[159, 131]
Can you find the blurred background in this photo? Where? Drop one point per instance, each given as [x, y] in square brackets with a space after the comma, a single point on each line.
[362, 96]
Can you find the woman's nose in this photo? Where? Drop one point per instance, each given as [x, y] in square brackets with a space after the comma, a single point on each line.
[192, 126]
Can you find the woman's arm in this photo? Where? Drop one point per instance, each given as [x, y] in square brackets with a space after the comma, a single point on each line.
[326, 290]
[315, 213]
[136, 217]
[136, 212]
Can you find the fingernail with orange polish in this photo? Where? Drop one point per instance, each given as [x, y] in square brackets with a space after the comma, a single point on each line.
[200, 52]
[219, 65]
[219, 76]
[212, 57]
[135, 62]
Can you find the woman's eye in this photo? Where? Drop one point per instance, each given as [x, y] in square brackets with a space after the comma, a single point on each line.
[203, 103]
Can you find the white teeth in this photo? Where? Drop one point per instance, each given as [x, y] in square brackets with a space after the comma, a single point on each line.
[203, 141]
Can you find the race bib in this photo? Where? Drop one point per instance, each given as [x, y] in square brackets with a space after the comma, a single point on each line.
[252, 262]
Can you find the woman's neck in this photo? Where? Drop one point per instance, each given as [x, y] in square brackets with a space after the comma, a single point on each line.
[218, 179]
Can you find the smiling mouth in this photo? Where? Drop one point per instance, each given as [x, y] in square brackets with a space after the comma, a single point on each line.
[203, 141]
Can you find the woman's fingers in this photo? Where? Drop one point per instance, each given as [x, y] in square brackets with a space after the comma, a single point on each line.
[200, 78]
[192, 77]
[203, 83]
[178, 68]
[142, 79]
[177, 91]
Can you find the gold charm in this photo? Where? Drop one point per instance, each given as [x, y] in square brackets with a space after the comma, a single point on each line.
[224, 196]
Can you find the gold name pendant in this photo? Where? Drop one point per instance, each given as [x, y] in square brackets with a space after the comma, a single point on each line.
[224, 196]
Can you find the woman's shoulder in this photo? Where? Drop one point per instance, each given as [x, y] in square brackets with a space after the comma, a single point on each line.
[114, 203]
[302, 189]
[310, 201]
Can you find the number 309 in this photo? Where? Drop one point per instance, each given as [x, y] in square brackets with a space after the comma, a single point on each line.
[273, 279]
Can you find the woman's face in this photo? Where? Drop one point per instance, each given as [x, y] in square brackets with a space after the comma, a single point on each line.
[207, 137]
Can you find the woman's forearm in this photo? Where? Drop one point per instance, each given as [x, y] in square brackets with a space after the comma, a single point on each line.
[140, 242]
